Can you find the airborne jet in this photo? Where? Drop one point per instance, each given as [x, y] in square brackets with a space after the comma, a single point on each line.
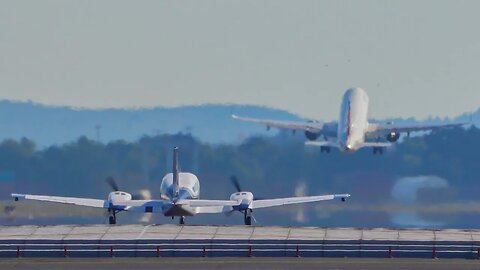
[352, 131]
[180, 197]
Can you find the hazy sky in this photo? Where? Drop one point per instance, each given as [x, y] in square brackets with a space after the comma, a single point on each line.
[414, 58]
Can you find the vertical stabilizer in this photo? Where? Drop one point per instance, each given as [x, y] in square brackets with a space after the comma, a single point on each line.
[175, 171]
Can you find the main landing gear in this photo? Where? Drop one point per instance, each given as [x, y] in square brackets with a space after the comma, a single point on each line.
[247, 217]
[182, 220]
[112, 219]
[378, 150]
[325, 149]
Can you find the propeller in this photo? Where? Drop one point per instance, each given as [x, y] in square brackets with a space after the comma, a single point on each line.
[300, 191]
[144, 194]
[237, 186]
[112, 183]
[235, 183]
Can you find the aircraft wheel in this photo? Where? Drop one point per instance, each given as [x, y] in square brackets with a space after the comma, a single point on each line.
[248, 220]
[182, 220]
[378, 150]
[112, 220]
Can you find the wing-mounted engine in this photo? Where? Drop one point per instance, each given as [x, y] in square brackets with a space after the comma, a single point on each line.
[311, 135]
[244, 197]
[393, 136]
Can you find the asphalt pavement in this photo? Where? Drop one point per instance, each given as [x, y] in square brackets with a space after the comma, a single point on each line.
[234, 263]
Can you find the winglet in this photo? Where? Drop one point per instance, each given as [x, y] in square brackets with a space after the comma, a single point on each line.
[175, 171]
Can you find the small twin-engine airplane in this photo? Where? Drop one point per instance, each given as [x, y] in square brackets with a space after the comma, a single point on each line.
[179, 196]
[352, 131]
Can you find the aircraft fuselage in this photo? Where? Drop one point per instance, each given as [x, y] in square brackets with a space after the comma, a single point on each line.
[353, 120]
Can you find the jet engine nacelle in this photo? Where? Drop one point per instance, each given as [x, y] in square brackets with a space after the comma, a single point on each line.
[244, 197]
[311, 136]
[393, 136]
[119, 197]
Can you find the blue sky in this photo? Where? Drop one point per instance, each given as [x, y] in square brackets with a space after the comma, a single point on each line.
[414, 58]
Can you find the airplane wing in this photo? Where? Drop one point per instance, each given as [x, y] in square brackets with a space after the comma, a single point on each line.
[376, 144]
[205, 203]
[213, 209]
[211, 206]
[67, 200]
[310, 126]
[322, 143]
[386, 128]
[131, 205]
[295, 200]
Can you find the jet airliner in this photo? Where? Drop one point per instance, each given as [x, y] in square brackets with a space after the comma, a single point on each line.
[352, 131]
[180, 197]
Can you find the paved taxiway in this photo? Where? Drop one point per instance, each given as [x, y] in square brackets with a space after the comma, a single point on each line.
[234, 263]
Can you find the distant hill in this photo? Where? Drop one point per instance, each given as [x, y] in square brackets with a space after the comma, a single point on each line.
[48, 125]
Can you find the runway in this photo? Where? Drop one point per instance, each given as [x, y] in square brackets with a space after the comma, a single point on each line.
[164, 241]
[235, 263]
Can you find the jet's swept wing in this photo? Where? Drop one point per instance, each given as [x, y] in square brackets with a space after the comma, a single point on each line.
[374, 128]
[67, 200]
[375, 144]
[323, 143]
[295, 200]
[295, 125]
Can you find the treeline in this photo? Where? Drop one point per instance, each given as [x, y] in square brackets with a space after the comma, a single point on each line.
[267, 166]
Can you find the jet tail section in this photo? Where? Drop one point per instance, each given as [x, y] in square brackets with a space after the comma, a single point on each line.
[175, 171]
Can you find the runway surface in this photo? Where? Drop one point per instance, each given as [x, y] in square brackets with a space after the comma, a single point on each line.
[138, 240]
[234, 263]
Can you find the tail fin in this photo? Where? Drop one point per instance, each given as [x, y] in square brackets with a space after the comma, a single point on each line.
[175, 171]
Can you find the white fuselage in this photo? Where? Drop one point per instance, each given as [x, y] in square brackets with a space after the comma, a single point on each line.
[353, 120]
[188, 188]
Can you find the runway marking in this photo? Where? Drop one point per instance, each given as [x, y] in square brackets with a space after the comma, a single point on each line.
[143, 232]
